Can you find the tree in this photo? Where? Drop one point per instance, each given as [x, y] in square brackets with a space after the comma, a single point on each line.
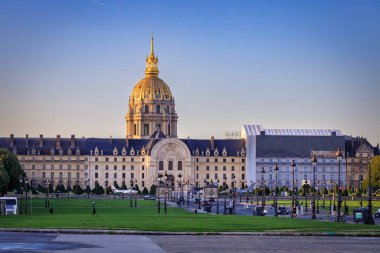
[98, 190]
[68, 189]
[77, 189]
[375, 174]
[12, 167]
[145, 191]
[88, 190]
[153, 190]
[4, 179]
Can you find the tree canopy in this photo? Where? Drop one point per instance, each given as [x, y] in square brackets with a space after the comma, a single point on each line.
[375, 174]
[12, 168]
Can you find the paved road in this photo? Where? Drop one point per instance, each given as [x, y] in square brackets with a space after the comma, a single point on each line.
[38, 242]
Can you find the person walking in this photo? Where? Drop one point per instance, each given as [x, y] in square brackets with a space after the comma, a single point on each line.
[93, 208]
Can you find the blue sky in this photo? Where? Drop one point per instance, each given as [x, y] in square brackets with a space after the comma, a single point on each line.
[68, 67]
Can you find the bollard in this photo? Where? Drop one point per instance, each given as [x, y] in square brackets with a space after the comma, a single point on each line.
[196, 211]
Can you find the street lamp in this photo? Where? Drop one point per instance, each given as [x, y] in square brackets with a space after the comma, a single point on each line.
[339, 157]
[159, 176]
[293, 165]
[225, 195]
[165, 181]
[275, 191]
[323, 194]
[136, 193]
[361, 190]
[319, 196]
[305, 188]
[23, 181]
[217, 197]
[130, 193]
[263, 189]
[314, 162]
[370, 220]
[331, 188]
[233, 192]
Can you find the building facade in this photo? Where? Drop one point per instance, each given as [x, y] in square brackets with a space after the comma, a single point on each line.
[152, 148]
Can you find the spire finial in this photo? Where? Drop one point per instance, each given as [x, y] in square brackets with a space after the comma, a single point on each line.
[151, 61]
[151, 46]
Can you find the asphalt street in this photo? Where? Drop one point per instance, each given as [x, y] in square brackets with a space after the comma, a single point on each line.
[40, 242]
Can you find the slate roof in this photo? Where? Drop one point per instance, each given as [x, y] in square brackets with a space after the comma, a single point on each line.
[296, 146]
[107, 145]
[353, 144]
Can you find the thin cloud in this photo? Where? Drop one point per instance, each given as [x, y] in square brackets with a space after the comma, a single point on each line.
[98, 3]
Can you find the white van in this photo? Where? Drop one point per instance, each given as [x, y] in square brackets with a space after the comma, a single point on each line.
[10, 205]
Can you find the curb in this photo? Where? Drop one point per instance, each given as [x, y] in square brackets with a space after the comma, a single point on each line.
[137, 232]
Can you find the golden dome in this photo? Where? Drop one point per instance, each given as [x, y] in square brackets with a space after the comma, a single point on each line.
[151, 88]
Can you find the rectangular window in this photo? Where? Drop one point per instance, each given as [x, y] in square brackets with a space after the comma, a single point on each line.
[96, 159]
[114, 175]
[115, 167]
[115, 159]
[179, 165]
[132, 175]
[134, 129]
[216, 176]
[78, 167]
[123, 167]
[43, 175]
[132, 159]
[44, 166]
[106, 183]
[142, 167]
[33, 167]
[224, 160]
[142, 175]
[207, 176]
[96, 174]
[233, 168]
[33, 174]
[233, 160]
[106, 175]
[61, 167]
[197, 168]
[52, 174]
[196, 176]
[60, 175]
[132, 167]
[123, 175]
[242, 168]
[146, 129]
[77, 174]
[106, 167]
[207, 168]
[197, 160]
[106, 159]
[243, 160]
[242, 176]
[224, 168]
[170, 165]
[123, 159]
[143, 159]
[69, 175]
[69, 167]
[161, 165]
[207, 160]
[216, 168]
[216, 160]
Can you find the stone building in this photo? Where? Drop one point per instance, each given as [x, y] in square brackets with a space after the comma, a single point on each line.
[151, 148]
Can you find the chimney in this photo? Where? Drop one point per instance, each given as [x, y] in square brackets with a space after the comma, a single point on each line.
[127, 143]
[110, 139]
[333, 133]
[72, 141]
[262, 133]
[58, 142]
[41, 145]
[26, 141]
[11, 141]
[212, 143]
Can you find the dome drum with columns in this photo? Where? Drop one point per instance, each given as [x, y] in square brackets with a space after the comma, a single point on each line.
[151, 104]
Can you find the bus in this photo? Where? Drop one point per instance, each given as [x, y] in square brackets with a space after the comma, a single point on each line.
[10, 205]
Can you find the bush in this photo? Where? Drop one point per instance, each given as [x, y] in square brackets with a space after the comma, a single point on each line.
[77, 189]
[98, 190]
[145, 191]
[153, 190]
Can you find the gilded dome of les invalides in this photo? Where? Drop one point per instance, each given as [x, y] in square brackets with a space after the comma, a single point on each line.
[151, 87]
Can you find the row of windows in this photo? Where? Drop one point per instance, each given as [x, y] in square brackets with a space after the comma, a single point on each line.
[224, 168]
[170, 165]
[61, 167]
[116, 175]
[107, 159]
[123, 167]
[262, 160]
[217, 160]
[52, 175]
[287, 177]
[53, 158]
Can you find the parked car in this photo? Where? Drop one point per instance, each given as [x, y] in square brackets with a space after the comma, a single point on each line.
[282, 210]
[149, 197]
[377, 213]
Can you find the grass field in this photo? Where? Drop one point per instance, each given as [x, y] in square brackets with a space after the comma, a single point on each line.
[116, 214]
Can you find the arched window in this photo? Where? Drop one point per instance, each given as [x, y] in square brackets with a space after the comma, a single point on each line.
[161, 165]
[170, 165]
[146, 109]
[158, 109]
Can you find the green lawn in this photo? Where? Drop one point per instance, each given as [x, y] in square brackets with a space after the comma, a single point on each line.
[116, 214]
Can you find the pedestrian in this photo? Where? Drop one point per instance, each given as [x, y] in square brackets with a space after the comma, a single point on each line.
[51, 210]
[93, 208]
